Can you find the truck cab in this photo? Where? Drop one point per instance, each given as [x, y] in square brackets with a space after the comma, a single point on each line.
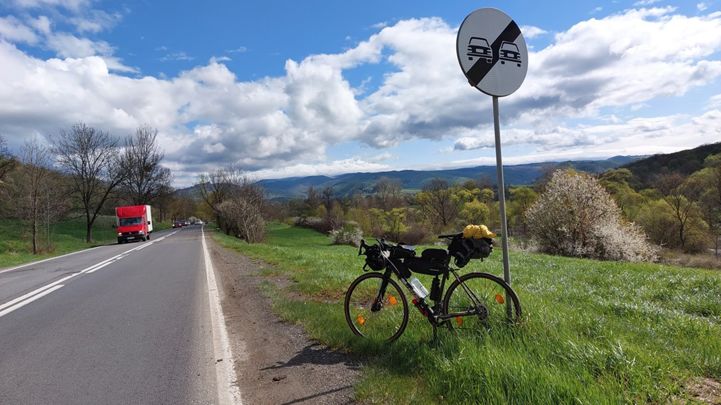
[134, 222]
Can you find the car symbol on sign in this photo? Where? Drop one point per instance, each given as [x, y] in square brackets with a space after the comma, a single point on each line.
[479, 48]
[509, 52]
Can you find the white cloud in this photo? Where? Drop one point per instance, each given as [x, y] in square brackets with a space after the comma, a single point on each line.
[207, 117]
[176, 56]
[322, 168]
[95, 21]
[644, 3]
[69, 46]
[73, 5]
[702, 6]
[13, 30]
[530, 31]
[42, 24]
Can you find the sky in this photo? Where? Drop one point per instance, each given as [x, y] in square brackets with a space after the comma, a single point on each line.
[296, 88]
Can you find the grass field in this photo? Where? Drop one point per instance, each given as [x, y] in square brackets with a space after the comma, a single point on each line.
[65, 237]
[593, 332]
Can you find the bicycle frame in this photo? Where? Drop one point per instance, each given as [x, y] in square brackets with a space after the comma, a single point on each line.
[434, 314]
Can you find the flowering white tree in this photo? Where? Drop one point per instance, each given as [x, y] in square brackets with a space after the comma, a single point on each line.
[576, 216]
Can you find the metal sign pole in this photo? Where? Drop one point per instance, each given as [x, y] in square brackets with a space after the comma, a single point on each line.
[502, 202]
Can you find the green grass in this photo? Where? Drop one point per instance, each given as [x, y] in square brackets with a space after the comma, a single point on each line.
[65, 237]
[593, 332]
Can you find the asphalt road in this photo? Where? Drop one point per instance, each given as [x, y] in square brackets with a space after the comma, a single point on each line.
[118, 324]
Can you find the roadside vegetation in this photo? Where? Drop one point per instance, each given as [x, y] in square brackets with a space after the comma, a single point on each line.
[50, 190]
[65, 236]
[593, 331]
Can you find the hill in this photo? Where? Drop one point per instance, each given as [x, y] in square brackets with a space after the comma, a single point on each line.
[412, 180]
[684, 162]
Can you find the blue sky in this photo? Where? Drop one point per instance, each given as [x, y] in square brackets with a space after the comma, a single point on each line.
[282, 88]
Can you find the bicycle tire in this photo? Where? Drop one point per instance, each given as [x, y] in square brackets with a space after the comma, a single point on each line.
[360, 318]
[491, 290]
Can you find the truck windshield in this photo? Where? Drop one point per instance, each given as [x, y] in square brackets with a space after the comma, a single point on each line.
[131, 221]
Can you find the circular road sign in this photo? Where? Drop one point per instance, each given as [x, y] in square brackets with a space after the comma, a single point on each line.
[492, 52]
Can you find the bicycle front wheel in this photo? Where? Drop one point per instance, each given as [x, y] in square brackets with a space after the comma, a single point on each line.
[478, 300]
[376, 308]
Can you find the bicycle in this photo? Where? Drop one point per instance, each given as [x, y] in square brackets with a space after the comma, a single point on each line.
[376, 307]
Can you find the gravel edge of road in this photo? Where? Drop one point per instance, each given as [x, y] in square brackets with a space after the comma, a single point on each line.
[276, 363]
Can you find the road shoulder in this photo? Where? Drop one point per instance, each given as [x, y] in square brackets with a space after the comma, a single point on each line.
[275, 362]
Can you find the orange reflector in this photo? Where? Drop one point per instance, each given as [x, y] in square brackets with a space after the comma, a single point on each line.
[500, 299]
[361, 321]
[392, 300]
[459, 321]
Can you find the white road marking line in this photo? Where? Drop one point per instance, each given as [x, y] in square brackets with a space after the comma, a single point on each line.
[228, 393]
[37, 291]
[47, 289]
[70, 254]
[47, 260]
[29, 300]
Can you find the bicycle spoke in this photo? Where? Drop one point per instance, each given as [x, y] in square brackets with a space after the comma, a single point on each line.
[478, 303]
[373, 318]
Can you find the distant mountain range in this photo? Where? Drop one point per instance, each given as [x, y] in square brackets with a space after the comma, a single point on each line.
[644, 169]
[413, 180]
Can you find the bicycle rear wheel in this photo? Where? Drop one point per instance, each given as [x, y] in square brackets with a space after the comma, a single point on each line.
[374, 314]
[478, 300]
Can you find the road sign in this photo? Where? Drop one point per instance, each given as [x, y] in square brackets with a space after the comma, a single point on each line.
[493, 56]
[492, 52]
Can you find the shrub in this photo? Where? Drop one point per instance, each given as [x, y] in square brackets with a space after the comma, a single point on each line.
[415, 235]
[243, 219]
[316, 223]
[575, 216]
[349, 234]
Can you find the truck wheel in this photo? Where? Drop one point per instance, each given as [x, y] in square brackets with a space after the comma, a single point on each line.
[121, 240]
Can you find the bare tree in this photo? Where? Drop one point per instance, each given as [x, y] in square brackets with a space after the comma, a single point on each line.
[7, 161]
[388, 192]
[89, 157]
[215, 187]
[145, 179]
[39, 198]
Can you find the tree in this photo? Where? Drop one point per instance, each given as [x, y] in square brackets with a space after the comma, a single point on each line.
[89, 157]
[312, 200]
[242, 211]
[437, 203]
[145, 179]
[617, 182]
[521, 200]
[708, 180]
[7, 161]
[474, 212]
[575, 216]
[215, 187]
[33, 187]
[388, 193]
[680, 198]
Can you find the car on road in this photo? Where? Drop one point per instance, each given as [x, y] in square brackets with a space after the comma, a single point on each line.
[479, 48]
[509, 52]
[177, 224]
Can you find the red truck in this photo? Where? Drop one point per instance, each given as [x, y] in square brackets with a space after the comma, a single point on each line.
[134, 222]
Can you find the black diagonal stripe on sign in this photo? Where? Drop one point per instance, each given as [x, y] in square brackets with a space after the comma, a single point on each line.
[480, 69]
